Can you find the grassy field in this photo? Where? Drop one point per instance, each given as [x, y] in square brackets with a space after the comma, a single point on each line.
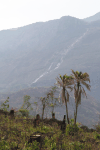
[15, 134]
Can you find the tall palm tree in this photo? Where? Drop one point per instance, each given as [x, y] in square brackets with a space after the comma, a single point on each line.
[65, 81]
[79, 80]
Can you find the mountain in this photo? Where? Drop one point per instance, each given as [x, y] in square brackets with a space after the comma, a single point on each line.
[34, 55]
[29, 52]
[93, 18]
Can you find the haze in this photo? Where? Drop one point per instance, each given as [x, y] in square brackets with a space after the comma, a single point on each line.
[17, 13]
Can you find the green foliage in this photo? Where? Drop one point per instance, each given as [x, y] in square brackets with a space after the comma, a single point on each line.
[53, 145]
[66, 77]
[47, 142]
[45, 128]
[24, 112]
[13, 144]
[18, 114]
[32, 146]
[72, 129]
[50, 143]
[97, 136]
[26, 102]
[26, 105]
[72, 122]
[4, 145]
[53, 101]
[77, 145]
[5, 106]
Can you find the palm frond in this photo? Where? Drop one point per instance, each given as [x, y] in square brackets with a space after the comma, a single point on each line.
[86, 85]
[83, 92]
[74, 73]
[85, 79]
[70, 87]
[59, 82]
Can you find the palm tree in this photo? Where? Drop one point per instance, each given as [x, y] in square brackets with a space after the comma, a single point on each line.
[65, 81]
[79, 80]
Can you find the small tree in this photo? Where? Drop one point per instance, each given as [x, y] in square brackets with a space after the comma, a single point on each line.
[25, 106]
[36, 107]
[44, 104]
[5, 106]
[52, 99]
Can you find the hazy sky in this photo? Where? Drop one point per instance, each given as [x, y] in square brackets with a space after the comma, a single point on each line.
[16, 13]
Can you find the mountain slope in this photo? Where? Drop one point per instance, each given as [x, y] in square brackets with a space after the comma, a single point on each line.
[36, 54]
[28, 52]
[93, 18]
[84, 55]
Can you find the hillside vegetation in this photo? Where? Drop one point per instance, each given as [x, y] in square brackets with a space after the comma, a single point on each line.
[15, 134]
[17, 130]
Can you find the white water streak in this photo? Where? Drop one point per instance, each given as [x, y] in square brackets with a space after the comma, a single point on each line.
[50, 66]
[61, 54]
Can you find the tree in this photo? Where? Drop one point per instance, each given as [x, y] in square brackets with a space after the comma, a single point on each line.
[5, 106]
[25, 106]
[79, 80]
[53, 99]
[51, 96]
[36, 107]
[43, 99]
[65, 82]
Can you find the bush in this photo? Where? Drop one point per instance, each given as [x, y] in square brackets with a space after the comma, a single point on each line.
[97, 136]
[85, 128]
[77, 145]
[19, 114]
[45, 128]
[24, 112]
[72, 129]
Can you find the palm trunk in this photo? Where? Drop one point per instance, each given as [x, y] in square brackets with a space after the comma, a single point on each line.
[67, 111]
[75, 115]
[64, 96]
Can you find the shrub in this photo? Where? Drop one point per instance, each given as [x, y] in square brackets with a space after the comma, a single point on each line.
[85, 128]
[77, 145]
[72, 129]
[24, 112]
[97, 136]
[45, 128]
